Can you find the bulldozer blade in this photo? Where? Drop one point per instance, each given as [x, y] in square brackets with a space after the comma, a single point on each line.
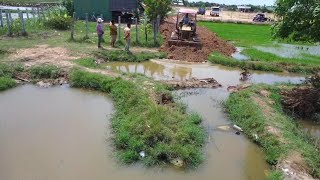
[185, 43]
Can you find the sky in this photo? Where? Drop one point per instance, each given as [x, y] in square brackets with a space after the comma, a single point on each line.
[240, 2]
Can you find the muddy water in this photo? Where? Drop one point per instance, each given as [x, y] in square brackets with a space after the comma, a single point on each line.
[63, 133]
[166, 70]
[311, 127]
[238, 54]
[290, 50]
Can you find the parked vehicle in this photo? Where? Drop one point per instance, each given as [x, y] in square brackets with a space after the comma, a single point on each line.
[201, 11]
[260, 18]
[215, 11]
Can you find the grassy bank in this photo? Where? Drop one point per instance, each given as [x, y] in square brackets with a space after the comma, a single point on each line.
[119, 55]
[164, 133]
[263, 120]
[268, 62]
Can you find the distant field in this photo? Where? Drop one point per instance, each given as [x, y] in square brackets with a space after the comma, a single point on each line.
[242, 34]
[22, 2]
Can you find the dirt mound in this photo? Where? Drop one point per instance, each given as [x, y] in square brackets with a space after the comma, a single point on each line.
[44, 54]
[211, 43]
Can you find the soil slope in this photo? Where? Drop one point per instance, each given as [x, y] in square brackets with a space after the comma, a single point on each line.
[211, 43]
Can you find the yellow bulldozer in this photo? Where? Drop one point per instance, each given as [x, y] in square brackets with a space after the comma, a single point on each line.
[186, 29]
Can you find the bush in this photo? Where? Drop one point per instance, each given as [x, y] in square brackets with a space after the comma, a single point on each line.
[58, 18]
[298, 20]
[44, 72]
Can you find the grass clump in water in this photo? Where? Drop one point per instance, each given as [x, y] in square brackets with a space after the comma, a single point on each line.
[6, 83]
[218, 58]
[87, 62]
[119, 55]
[44, 72]
[139, 124]
[263, 120]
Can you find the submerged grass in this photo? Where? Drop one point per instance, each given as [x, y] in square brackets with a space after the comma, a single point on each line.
[119, 55]
[139, 124]
[255, 118]
[266, 62]
[218, 58]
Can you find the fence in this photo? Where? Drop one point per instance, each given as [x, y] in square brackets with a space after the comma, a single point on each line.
[8, 18]
[141, 30]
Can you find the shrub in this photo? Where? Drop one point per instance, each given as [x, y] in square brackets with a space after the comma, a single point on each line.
[58, 18]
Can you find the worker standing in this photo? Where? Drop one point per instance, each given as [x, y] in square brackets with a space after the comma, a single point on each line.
[127, 37]
[113, 33]
[100, 31]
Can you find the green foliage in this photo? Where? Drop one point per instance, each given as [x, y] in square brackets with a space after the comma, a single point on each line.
[9, 70]
[87, 62]
[119, 55]
[44, 72]
[6, 83]
[276, 175]
[58, 18]
[157, 7]
[68, 4]
[298, 20]
[139, 124]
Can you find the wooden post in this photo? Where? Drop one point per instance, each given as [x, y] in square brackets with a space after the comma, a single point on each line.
[27, 14]
[23, 30]
[8, 24]
[10, 17]
[33, 13]
[72, 28]
[154, 31]
[145, 28]
[137, 39]
[119, 28]
[87, 29]
[38, 13]
[1, 19]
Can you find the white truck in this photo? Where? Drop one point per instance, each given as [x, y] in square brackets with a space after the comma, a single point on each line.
[215, 11]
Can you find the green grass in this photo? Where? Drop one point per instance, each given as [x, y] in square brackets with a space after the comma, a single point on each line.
[6, 83]
[244, 35]
[256, 55]
[252, 118]
[120, 55]
[267, 62]
[87, 62]
[44, 72]
[139, 124]
[218, 58]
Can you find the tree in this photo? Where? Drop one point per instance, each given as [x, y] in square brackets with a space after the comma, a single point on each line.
[299, 20]
[157, 7]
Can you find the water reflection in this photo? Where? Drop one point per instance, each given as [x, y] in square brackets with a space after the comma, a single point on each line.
[166, 70]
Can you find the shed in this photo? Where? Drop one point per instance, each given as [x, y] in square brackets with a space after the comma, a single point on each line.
[244, 8]
[103, 7]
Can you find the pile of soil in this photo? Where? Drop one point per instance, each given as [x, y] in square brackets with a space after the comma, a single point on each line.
[210, 41]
